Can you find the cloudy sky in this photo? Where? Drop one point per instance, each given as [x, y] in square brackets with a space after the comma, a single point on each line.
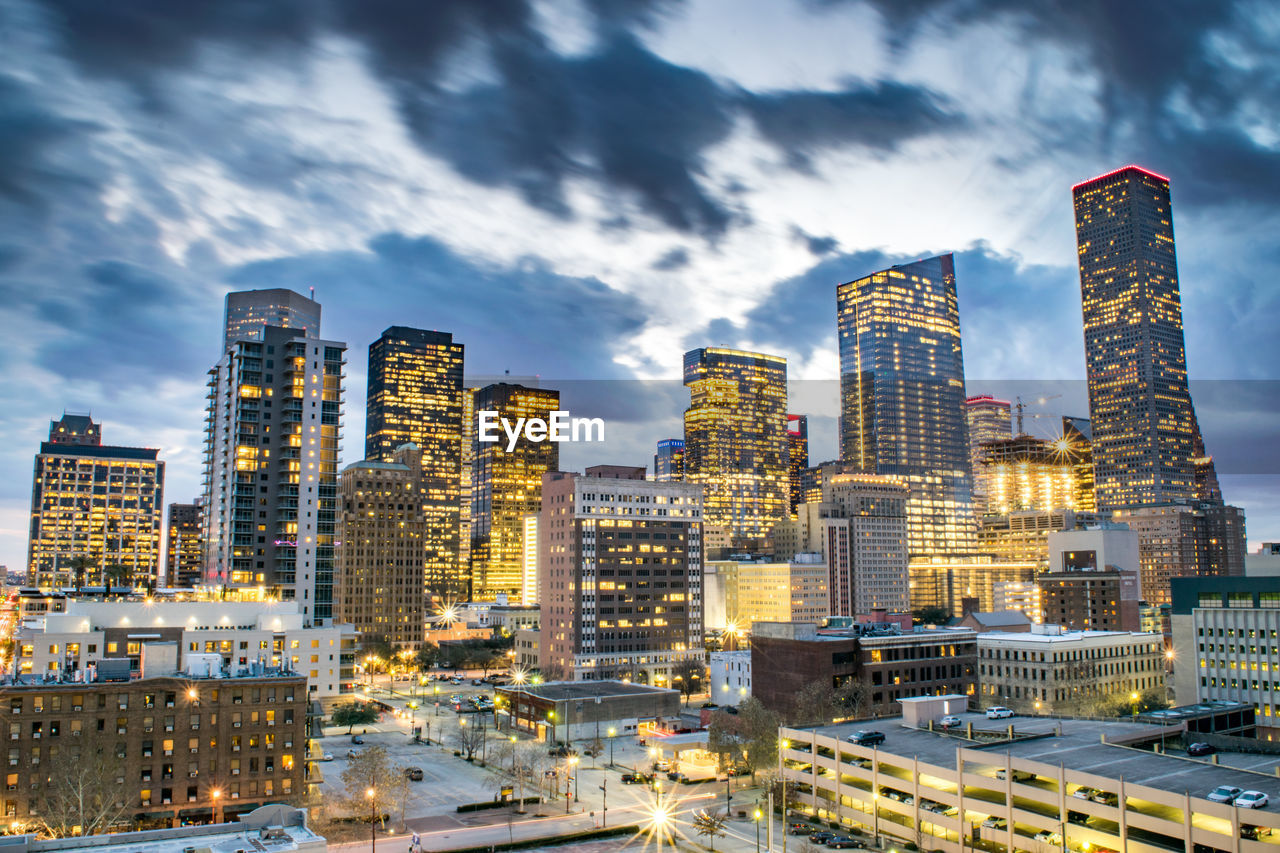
[582, 189]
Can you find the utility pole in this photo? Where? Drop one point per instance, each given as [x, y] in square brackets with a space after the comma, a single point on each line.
[604, 817]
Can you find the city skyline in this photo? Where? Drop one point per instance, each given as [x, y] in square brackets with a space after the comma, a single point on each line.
[119, 320]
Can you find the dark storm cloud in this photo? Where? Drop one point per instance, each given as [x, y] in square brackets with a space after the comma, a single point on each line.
[631, 13]
[549, 324]
[816, 245]
[31, 138]
[674, 259]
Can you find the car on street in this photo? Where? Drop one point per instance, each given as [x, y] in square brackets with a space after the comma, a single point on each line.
[998, 712]
[799, 829]
[949, 721]
[1252, 800]
[562, 751]
[1200, 749]
[844, 842]
[863, 738]
[1224, 794]
[357, 740]
[637, 779]
[413, 774]
[326, 756]
[821, 837]
[995, 822]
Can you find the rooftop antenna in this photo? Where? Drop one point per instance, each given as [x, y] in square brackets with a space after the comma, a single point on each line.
[313, 293]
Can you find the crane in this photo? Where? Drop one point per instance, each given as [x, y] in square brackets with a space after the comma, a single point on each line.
[1020, 406]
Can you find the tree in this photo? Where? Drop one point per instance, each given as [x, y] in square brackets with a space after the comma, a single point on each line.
[689, 674]
[759, 727]
[724, 740]
[372, 771]
[427, 655]
[552, 672]
[931, 616]
[469, 738]
[814, 704]
[117, 575]
[710, 825]
[80, 565]
[351, 714]
[83, 794]
[377, 648]
[852, 699]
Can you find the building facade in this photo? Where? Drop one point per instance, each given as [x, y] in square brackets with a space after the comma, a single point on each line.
[1027, 473]
[94, 508]
[730, 676]
[760, 590]
[902, 396]
[965, 583]
[735, 439]
[415, 396]
[380, 580]
[797, 459]
[1170, 545]
[989, 420]
[668, 461]
[184, 546]
[248, 312]
[1023, 537]
[504, 488]
[620, 571]
[271, 457]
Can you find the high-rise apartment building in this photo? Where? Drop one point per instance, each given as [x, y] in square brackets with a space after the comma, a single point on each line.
[989, 419]
[271, 458]
[184, 545]
[902, 396]
[1139, 402]
[1170, 545]
[96, 503]
[415, 396]
[504, 488]
[668, 461]
[797, 459]
[248, 312]
[735, 438]
[379, 581]
[620, 571]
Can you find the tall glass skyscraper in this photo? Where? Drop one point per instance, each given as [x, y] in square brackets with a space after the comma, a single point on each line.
[902, 396]
[735, 438]
[668, 462]
[1139, 403]
[249, 311]
[415, 396]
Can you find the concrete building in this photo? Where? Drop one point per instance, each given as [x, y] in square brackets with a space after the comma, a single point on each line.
[1170, 545]
[740, 592]
[1225, 644]
[184, 546]
[1041, 785]
[1264, 562]
[963, 584]
[185, 747]
[247, 312]
[72, 635]
[1049, 670]
[892, 663]
[1021, 596]
[94, 507]
[1092, 583]
[620, 574]
[1023, 536]
[989, 419]
[730, 676]
[528, 643]
[574, 710]
[1011, 621]
[380, 585]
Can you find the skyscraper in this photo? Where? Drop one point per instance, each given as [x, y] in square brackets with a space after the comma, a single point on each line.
[735, 438]
[505, 487]
[1139, 402]
[989, 419]
[94, 502]
[797, 459]
[184, 548]
[668, 462]
[415, 395]
[902, 396]
[249, 311]
[271, 458]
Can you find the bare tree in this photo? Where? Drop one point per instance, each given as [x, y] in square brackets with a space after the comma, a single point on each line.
[725, 740]
[468, 738]
[374, 785]
[710, 825]
[689, 675]
[83, 794]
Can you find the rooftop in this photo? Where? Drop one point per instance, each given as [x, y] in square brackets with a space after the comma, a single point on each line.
[557, 691]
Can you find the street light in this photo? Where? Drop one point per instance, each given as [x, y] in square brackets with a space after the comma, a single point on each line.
[756, 815]
[437, 700]
[612, 732]
[373, 821]
[573, 766]
[215, 793]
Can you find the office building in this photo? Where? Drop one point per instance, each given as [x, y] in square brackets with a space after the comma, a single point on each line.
[271, 456]
[248, 312]
[529, 561]
[504, 488]
[1225, 543]
[1053, 671]
[415, 396]
[1225, 645]
[1046, 785]
[730, 676]
[668, 462]
[989, 420]
[740, 592]
[787, 657]
[620, 572]
[1264, 562]
[735, 439]
[1077, 443]
[95, 510]
[65, 638]
[963, 584]
[184, 546]
[1170, 545]
[1027, 473]
[379, 582]
[1093, 580]
[1023, 537]
[1139, 403]
[184, 746]
[797, 458]
[563, 711]
[902, 396]
[1020, 596]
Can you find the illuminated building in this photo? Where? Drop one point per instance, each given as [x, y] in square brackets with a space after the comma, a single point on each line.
[184, 546]
[1180, 541]
[94, 501]
[735, 438]
[813, 478]
[1093, 579]
[750, 590]
[947, 582]
[620, 575]
[797, 458]
[415, 396]
[1206, 489]
[529, 562]
[249, 311]
[382, 522]
[1021, 596]
[668, 462]
[1139, 403]
[504, 488]
[989, 419]
[1077, 442]
[902, 396]
[1022, 537]
[271, 458]
[1027, 473]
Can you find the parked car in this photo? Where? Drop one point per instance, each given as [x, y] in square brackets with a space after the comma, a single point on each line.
[1084, 793]
[637, 779]
[351, 753]
[950, 721]
[413, 774]
[821, 837]
[995, 822]
[844, 842]
[677, 776]
[1200, 749]
[1048, 837]
[862, 738]
[1254, 832]
[998, 712]
[357, 740]
[1079, 818]
[477, 682]
[1018, 775]
[1224, 794]
[939, 808]
[1106, 798]
[327, 756]
[1252, 800]
[799, 829]
[562, 751]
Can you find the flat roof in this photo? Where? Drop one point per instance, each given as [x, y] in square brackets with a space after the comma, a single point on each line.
[1069, 636]
[559, 691]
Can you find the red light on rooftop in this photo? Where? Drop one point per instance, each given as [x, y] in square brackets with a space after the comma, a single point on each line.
[1155, 175]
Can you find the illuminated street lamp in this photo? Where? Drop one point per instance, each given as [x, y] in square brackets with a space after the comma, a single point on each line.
[216, 793]
[612, 732]
[373, 821]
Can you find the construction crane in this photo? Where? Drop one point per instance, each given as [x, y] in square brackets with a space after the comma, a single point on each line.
[1020, 406]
